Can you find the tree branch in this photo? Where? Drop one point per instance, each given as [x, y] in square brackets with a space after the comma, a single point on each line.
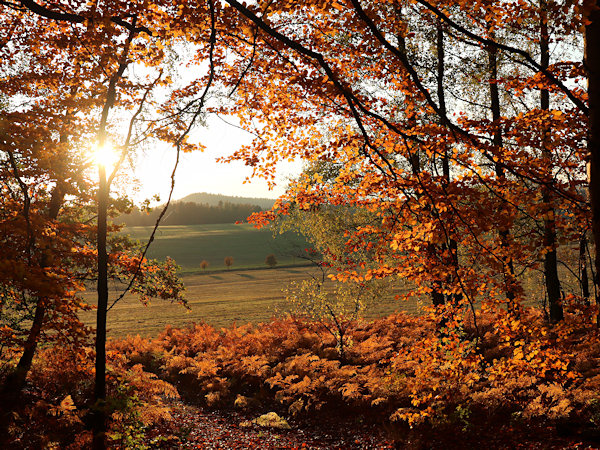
[58, 16]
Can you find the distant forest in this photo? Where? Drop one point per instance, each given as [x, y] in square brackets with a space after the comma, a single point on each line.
[190, 213]
[215, 199]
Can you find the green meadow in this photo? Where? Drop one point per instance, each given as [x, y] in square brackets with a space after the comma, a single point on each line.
[189, 245]
[249, 292]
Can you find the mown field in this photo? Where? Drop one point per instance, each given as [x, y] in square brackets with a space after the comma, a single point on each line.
[220, 299]
[189, 245]
[249, 292]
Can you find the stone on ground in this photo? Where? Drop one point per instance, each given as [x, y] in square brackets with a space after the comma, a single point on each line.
[272, 420]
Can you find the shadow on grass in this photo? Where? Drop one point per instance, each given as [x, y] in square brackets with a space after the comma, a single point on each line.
[216, 277]
[244, 275]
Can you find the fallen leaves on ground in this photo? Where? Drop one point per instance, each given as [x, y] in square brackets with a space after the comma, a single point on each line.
[209, 429]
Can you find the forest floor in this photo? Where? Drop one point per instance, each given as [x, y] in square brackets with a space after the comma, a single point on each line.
[199, 428]
[218, 429]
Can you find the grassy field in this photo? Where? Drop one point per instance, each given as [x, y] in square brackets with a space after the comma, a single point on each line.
[249, 292]
[191, 244]
[220, 299]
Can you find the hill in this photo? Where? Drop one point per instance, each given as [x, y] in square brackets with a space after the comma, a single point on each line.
[189, 245]
[214, 199]
[190, 213]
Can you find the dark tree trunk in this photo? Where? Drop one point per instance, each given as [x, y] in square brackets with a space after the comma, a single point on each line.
[452, 245]
[550, 259]
[99, 417]
[592, 65]
[100, 379]
[583, 271]
[508, 269]
[15, 382]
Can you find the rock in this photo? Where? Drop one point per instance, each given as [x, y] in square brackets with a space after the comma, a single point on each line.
[272, 420]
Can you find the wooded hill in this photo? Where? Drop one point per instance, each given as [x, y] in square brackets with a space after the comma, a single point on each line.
[216, 199]
[190, 213]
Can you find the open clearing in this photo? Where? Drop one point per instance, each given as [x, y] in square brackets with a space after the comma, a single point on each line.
[191, 244]
[220, 299]
[249, 292]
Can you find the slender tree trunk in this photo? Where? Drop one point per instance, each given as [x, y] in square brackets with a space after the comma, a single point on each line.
[592, 65]
[99, 418]
[508, 269]
[15, 382]
[452, 245]
[583, 271]
[100, 378]
[550, 259]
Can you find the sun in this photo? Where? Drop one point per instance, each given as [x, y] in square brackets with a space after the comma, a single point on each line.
[105, 155]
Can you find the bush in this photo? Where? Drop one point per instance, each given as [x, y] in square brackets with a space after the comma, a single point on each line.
[271, 260]
[397, 367]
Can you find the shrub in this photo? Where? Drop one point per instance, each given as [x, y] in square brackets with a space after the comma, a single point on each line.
[271, 260]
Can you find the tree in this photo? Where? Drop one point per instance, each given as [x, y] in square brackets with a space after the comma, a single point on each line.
[422, 154]
[592, 68]
[67, 112]
[204, 264]
[271, 260]
[335, 306]
[229, 261]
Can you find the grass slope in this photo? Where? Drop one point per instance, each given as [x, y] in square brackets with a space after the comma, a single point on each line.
[219, 296]
[190, 244]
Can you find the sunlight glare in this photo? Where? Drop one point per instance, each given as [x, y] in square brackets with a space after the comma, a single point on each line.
[106, 156]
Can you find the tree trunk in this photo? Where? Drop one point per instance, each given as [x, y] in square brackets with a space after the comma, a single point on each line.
[592, 65]
[583, 272]
[99, 424]
[452, 245]
[15, 382]
[550, 259]
[508, 269]
[99, 417]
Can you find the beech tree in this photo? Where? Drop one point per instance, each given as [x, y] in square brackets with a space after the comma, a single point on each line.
[592, 70]
[357, 83]
[75, 68]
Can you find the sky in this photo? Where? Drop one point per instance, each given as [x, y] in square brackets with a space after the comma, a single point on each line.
[199, 171]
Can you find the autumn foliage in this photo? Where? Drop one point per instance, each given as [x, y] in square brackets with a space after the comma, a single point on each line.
[397, 370]
[464, 135]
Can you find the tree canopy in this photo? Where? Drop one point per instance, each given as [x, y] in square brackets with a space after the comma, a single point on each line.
[467, 132]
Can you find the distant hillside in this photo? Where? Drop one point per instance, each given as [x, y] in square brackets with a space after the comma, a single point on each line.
[190, 213]
[214, 199]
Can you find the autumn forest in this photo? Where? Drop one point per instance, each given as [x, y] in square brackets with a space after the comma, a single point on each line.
[453, 146]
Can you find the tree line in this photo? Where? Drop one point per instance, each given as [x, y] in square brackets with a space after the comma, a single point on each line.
[190, 213]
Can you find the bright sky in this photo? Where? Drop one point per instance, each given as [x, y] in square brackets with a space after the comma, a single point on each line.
[199, 171]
